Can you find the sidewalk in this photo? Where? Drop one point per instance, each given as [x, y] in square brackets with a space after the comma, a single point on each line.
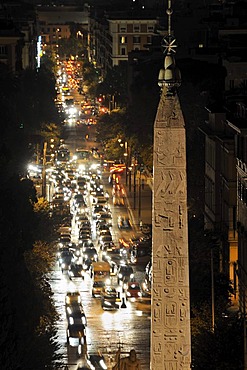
[139, 202]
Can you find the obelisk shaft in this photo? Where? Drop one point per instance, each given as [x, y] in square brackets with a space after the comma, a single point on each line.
[170, 326]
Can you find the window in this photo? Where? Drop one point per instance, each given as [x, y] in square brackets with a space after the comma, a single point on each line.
[123, 40]
[123, 51]
[231, 84]
[136, 39]
[209, 194]
[149, 39]
[122, 28]
[136, 28]
[3, 50]
[150, 28]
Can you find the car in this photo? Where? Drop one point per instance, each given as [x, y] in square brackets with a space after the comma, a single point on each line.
[65, 259]
[125, 274]
[123, 222]
[76, 335]
[133, 290]
[110, 298]
[87, 244]
[105, 216]
[102, 224]
[75, 314]
[84, 236]
[105, 239]
[72, 297]
[104, 232]
[90, 254]
[97, 288]
[96, 361]
[118, 201]
[75, 271]
[85, 229]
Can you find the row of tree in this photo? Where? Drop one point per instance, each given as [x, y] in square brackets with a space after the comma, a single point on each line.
[27, 312]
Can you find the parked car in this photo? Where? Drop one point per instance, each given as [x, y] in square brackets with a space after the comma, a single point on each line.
[124, 223]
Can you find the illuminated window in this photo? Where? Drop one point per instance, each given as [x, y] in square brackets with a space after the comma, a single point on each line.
[123, 39]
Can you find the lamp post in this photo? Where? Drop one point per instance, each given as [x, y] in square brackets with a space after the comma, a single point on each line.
[126, 162]
[43, 171]
[140, 197]
[212, 289]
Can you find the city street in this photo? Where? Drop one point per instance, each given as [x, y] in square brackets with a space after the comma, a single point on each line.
[107, 331]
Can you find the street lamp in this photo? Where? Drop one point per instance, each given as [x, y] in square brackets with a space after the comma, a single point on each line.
[126, 162]
[43, 171]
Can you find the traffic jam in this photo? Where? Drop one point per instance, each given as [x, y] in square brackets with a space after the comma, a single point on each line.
[95, 247]
[98, 245]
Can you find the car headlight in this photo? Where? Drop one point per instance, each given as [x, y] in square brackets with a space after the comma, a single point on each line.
[95, 256]
[139, 294]
[79, 299]
[86, 256]
[69, 310]
[63, 265]
[128, 294]
[131, 276]
[102, 364]
[120, 276]
[71, 273]
[108, 281]
[107, 303]
[71, 320]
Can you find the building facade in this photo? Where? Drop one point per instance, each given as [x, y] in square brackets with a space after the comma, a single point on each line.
[113, 38]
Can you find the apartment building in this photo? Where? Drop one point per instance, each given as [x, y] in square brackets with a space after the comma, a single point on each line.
[113, 37]
[18, 36]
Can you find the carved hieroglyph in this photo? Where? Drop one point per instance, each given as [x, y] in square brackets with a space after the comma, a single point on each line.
[170, 327]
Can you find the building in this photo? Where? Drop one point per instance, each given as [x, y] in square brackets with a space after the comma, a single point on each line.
[220, 209]
[114, 36]
[55, 21]
[18, 37]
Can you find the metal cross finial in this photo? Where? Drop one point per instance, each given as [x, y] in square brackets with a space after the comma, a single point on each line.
[169, 41]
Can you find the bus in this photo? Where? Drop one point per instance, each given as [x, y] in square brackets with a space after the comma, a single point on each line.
[62, 156]
[83, 155]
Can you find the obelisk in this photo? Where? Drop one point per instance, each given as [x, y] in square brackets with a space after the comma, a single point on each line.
[170, 318]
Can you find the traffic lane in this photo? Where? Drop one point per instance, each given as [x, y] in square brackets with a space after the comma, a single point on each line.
[128, 326]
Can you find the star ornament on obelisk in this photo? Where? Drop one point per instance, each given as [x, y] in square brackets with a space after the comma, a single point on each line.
[170, 318]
